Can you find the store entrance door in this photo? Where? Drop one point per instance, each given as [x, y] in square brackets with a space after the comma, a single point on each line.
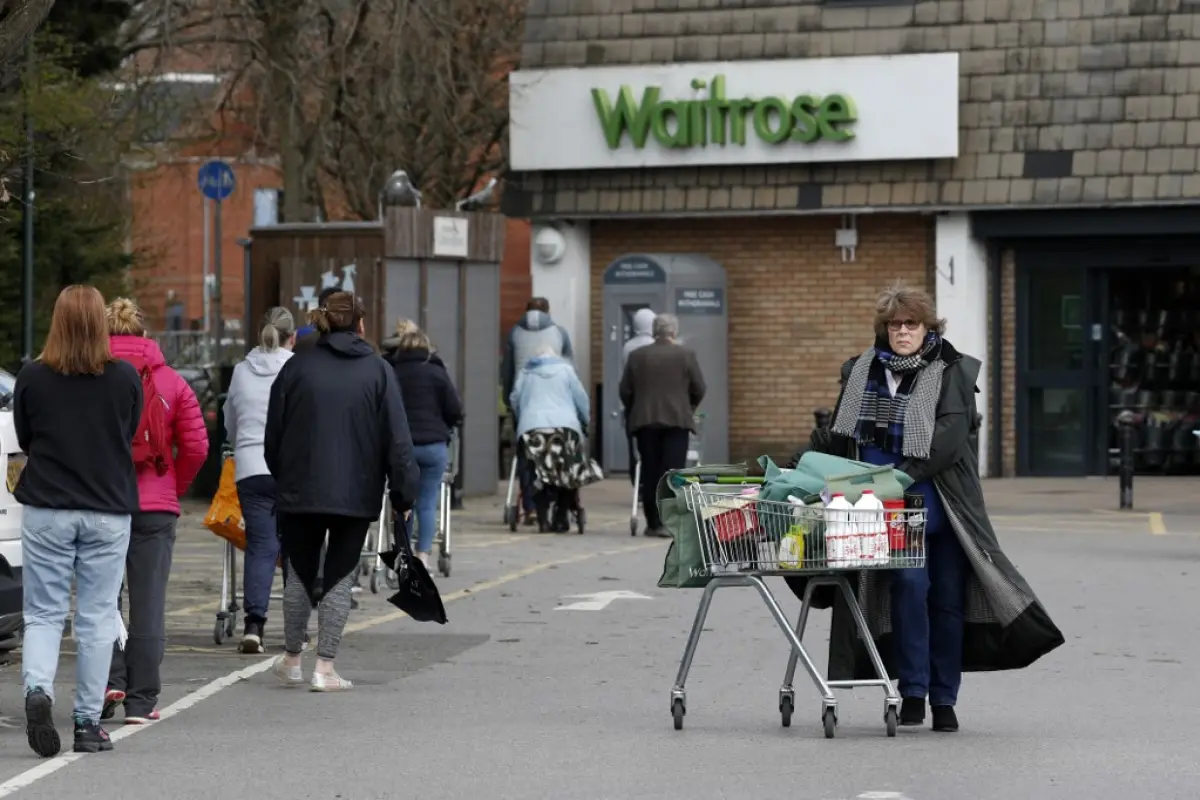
[1060, 375]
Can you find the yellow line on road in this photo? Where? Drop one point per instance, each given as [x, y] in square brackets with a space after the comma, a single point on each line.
[1157, 526]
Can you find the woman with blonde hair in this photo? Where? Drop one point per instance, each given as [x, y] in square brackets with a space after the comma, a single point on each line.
[169, 449]
[336, 432]
[245, 413]
[78, 500]
[434, 410]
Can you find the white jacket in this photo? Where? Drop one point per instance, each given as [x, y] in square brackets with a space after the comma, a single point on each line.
[643, 323]
[246, 408]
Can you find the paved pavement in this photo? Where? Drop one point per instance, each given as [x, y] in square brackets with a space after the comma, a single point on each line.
[514, 699]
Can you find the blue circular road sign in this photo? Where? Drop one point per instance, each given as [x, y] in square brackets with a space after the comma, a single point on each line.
[216, 180]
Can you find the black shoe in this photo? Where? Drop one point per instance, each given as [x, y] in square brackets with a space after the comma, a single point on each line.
[252, 638]
[39, 724]
[912, 711]
[91, 738]
[944, 719]
[657, 533]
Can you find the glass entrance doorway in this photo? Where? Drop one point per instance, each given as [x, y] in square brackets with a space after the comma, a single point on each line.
[1096, 340]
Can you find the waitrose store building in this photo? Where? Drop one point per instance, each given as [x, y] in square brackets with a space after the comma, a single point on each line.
[731, 180]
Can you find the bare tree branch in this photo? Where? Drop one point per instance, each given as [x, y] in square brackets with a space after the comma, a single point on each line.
[18, 21]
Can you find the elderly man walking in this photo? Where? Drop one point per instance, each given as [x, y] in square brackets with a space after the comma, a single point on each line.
[661, 388]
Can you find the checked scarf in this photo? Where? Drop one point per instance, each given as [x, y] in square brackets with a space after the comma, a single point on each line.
[902, 424]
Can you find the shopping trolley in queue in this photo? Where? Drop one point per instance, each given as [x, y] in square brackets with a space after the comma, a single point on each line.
[744, 539]
[384, 534]
[695, 456]
[230, 606]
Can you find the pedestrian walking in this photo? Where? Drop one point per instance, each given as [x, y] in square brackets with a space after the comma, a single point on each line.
[245, 415]
[434, 410]
[76, 411]
[336, 431]
[552, 413]
[661, 388]
[169, 449]
[909, 401]
[534, 333]
[643, 334]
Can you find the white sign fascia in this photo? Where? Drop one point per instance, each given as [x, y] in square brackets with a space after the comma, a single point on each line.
[450, 237]
[906, 108]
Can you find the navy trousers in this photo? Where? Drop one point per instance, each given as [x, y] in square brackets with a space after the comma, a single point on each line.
[928, 615]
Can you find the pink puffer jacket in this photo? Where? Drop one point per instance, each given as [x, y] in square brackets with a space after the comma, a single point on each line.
[190, 437]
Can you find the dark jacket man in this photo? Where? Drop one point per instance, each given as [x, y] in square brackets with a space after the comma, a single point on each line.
[534, 331]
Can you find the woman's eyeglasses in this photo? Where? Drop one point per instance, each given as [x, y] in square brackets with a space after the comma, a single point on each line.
[907, 324]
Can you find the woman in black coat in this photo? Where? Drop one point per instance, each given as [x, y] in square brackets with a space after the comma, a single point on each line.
[336, 432]
[434, 410]
[909, 401]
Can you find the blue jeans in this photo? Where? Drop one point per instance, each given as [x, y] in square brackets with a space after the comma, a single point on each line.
[928, 616]
[256, 495]
[431, 461]
[58, 546]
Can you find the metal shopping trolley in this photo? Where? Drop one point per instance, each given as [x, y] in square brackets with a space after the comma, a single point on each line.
[384, 538]
[227, 612]
[744, 539]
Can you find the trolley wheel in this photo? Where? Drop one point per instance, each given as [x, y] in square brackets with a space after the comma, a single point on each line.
[677, 711]
[512, 519]
[374, 584]
[786, 706]
[829, 719]
[633, 526]
[891, 718]
[219, 632]
[581, 520]
[444, 564]
[229, 626]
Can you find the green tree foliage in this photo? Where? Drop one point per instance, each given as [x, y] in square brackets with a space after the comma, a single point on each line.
[80, 211]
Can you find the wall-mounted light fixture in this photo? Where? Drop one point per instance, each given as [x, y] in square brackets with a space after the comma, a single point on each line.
[549, 244]
[846, 238]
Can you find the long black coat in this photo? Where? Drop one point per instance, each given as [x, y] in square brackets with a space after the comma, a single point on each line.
[1006, 625]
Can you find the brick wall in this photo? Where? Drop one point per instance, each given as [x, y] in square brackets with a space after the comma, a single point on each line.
[1063, 102]
[796, 312]
[516, 282]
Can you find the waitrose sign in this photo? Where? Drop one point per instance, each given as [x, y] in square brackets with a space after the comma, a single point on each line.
[756, 112]
[717, 119]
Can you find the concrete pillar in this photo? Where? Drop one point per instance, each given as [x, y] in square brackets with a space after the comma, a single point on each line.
[962, 299]
[561, 265]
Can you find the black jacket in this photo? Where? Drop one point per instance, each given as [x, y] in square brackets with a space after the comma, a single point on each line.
[336, 429]
[1007, 627]
[430, 399]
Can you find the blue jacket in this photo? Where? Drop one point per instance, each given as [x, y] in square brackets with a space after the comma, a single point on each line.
[549, 394]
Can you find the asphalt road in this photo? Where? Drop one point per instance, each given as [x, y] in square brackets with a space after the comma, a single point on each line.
[514, 699]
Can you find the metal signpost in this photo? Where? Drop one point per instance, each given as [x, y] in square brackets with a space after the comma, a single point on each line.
[216, 183]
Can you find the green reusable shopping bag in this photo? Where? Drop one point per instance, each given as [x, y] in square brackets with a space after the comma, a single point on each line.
[816, 470]
[683, 567]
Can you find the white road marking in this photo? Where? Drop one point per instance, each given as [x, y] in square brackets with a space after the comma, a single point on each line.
[53, 765]
[600, 600]
[883, 796]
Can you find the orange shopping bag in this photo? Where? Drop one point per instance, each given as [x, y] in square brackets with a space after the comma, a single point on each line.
[224, 517]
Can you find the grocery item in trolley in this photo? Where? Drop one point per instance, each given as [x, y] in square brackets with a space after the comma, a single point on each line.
[871, 530]
[791, 544]
[732, 517]
[916, 515]
[841, 545]
[897, 528]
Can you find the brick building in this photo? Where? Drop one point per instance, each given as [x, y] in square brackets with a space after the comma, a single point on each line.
[1032, 163]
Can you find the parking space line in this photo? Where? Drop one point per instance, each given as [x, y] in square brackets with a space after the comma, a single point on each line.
[1158, 526]
[50, 766]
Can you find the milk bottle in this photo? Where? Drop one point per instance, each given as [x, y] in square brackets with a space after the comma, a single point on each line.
[872, 530]
[839, 533]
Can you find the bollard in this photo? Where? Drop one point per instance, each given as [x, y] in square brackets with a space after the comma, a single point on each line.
[1127, 427]
[823, 418]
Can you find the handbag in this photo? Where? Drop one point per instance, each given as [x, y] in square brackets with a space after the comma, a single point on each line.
[416, 593]
[224, 517]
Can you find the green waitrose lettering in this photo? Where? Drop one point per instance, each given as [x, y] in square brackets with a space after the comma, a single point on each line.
[719, 120]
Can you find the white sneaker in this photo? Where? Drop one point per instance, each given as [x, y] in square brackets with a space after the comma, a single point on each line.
[329, 683]
[287, 675]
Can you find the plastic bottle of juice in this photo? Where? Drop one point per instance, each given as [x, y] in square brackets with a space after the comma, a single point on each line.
[872, 533]
[839, 533]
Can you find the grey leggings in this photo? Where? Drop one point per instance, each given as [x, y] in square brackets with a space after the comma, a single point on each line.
[332, 613]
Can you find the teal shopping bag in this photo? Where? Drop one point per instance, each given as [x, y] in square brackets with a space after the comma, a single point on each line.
[683, 567]
[816, 470]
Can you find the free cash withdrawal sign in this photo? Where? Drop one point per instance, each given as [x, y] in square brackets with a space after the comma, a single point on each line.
[753, 112]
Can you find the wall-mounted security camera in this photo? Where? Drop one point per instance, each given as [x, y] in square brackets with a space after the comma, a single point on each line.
[549, 244]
